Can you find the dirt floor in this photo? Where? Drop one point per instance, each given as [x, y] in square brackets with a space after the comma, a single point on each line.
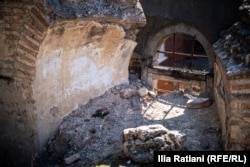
[94, 131]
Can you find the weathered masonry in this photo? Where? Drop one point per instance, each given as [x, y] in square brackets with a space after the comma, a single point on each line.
[226, 76]
[56, 55]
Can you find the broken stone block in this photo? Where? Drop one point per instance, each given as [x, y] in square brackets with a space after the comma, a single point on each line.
[143, 92]
[140, 143]
[198, 103]
[72, 158]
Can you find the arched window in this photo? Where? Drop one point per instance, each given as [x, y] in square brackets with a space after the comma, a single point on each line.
[182, 52]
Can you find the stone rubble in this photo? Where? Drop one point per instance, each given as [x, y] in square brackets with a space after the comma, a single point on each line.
[95, 130]
[233, 48]
[139, 143]
[143, 92]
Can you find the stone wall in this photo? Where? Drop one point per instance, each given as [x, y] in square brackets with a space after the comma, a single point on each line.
[22, 29]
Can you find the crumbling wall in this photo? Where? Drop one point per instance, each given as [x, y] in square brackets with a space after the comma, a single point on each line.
[78, 60]
[22, 29]
[85, 52]
[232, 83]
[56, 55]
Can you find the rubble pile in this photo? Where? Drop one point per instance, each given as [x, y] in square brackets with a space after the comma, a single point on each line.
[94, 133]
[140, 143]
[233, 46]
[244, 10]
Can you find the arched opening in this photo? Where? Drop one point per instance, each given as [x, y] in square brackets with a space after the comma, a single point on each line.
[181, 58]
[184, 55]
[182, 52]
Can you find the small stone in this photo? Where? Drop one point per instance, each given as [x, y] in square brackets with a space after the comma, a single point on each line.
[72, 158]
[152, 94]
[198, 103]
[143, 92]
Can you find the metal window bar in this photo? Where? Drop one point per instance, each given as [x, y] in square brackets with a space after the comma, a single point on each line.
[184, 54]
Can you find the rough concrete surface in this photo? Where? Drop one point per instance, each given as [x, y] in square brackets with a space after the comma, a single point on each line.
[95, 130]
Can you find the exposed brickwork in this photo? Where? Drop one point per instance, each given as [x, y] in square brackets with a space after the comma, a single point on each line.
[23, 28]
[232, 96]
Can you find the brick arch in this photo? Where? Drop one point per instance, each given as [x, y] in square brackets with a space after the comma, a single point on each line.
[23, 26]
[22, 30]
[157, 39]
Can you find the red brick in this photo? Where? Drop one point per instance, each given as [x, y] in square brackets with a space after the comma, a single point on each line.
[16, 33]
[40, 17]
[26, 54]
[32, 22]
[23, 68]
[240, 105]
[11, 5]
[7, 64]
[27, 51]
[7, 26]
[32, 40]
[5, 10]
[40, 6]
[19, 10]
[240, 87]
[20, 58]
[27, 46]
[14, 37]
[28, 2]
[37, 24]
[241, 75]
[11, 41]
[8, 19]
[19, 75]
[33, 31]
[235, 122]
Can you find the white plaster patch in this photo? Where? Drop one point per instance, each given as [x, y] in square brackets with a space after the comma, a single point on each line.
[86, 74]
[52, 64]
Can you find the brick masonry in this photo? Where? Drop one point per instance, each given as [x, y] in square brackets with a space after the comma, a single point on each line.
[22, 30]
[232, 94]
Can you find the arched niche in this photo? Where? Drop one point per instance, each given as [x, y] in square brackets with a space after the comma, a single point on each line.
[157, 39]
[173, 77]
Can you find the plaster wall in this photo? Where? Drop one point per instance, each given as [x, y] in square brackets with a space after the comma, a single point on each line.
[77, 61]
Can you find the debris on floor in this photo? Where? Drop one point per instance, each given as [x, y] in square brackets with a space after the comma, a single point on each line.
[93, 133]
